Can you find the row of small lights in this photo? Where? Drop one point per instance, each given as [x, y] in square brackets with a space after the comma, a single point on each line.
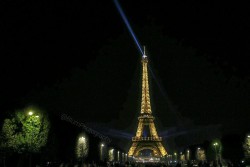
[102, 145]
[118, 151]
[180, 153]
[215, 144]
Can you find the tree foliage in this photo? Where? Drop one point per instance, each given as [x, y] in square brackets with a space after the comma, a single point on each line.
[24, 132]
[82, 147]
[246, 147]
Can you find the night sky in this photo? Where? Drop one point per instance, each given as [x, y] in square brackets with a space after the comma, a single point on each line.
[77, 57]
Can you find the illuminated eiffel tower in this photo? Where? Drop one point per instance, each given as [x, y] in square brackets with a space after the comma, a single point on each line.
[146, 121]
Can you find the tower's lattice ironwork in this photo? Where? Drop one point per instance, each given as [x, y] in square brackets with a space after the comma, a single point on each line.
[152, 141]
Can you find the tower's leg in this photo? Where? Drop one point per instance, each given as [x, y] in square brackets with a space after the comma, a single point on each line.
[132, 149]
[161, 148]
[139, 129]
[153, 129]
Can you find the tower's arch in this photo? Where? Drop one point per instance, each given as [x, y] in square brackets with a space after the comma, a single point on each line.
[156, 152]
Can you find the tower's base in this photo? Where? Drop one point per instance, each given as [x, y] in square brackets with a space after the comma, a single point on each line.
[156, 146]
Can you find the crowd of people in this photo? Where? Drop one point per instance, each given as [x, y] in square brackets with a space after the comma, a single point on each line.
[148, 164]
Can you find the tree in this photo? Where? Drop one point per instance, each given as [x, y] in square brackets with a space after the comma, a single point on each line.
[246, 147]
[26, 132]
[82, 148]
[200, 154]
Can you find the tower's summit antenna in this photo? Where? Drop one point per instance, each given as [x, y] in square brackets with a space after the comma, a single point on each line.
[144, 52]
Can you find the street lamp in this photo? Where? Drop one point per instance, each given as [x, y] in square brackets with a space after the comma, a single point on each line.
[82, 139]
[198, 153]
[215, 149]
[101, 151]
[123, 157]
[175, 154]
[188, 155]
[170, 158]
[82, 147]
[30, 113]
[32, 148]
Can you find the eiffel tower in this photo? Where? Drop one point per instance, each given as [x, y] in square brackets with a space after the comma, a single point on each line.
[146, 121]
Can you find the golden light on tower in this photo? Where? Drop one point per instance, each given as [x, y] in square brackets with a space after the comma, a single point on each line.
[153, 141]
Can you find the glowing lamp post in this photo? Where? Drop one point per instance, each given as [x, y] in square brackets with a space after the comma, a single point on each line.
[170, 158]
[188, 155]
[82, 148]
[175, 155]
[216, 151]
[101, 151]
[30, 114]
[123, 157]
[198, 153]
[82, 141]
